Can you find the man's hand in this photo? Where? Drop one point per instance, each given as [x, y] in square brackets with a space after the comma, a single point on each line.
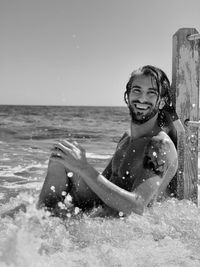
[72, 155]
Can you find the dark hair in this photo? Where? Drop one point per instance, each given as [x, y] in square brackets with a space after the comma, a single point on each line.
[160, 77]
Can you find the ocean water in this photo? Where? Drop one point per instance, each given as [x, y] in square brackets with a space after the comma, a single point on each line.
[168, 234]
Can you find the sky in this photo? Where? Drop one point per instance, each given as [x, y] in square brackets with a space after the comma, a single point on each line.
[82, 52]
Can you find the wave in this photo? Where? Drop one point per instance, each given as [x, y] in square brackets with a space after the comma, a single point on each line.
[15, 173]
[168, 234]
[35, 185]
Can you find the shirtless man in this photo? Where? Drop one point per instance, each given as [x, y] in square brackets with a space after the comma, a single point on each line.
[144, 163]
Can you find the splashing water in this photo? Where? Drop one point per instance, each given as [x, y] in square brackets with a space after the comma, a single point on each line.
[166, 235]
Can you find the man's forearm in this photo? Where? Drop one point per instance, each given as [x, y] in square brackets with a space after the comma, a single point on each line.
[112, 195]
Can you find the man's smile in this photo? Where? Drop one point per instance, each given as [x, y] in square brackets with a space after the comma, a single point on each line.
[141, 106]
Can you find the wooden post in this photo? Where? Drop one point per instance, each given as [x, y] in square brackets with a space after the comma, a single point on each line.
[185, 91]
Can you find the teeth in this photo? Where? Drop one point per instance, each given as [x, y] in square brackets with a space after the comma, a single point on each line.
[142, 106]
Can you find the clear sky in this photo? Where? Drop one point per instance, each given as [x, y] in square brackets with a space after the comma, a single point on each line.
[81, 52]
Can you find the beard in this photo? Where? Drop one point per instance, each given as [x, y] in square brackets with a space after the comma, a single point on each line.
[138, 117]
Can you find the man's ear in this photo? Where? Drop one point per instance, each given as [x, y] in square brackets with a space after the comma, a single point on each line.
[162, 103]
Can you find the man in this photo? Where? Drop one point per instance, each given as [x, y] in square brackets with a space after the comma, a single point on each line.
[144, 163]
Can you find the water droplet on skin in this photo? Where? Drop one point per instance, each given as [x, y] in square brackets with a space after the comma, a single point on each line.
[68, 198]
[70, 174]
[121, 214]
[154, 154]
[127, 172]
[158, 183]
[123, 177]
[52, 188]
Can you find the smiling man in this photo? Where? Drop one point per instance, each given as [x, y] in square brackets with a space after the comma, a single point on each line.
[144, 163]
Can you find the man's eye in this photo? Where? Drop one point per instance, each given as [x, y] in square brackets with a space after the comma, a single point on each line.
[153, 93]
[135, 91]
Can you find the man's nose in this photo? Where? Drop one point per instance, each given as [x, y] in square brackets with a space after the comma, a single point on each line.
[142, 97]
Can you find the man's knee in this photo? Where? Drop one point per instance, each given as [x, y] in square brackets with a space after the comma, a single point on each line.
[56, 168]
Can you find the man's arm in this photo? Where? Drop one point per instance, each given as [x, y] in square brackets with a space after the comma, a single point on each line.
[160, 166]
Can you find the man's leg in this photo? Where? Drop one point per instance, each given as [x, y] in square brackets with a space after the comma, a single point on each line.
[55, 185]
[59, 182]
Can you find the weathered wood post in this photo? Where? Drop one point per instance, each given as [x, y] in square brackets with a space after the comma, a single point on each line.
[185, 91]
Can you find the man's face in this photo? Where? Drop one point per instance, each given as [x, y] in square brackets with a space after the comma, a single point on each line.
[143, 99]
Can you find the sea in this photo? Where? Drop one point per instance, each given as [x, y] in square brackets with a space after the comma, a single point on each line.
[168, 234]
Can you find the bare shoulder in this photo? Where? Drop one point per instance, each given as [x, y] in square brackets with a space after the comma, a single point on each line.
[163, 143]
[160, 153]
[162, 137]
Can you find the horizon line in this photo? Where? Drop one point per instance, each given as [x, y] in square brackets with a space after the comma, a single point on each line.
[56, 105]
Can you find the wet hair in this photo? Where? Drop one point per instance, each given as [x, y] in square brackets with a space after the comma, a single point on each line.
[158, 75]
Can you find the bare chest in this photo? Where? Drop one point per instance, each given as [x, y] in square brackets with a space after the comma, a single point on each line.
[127, 164]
